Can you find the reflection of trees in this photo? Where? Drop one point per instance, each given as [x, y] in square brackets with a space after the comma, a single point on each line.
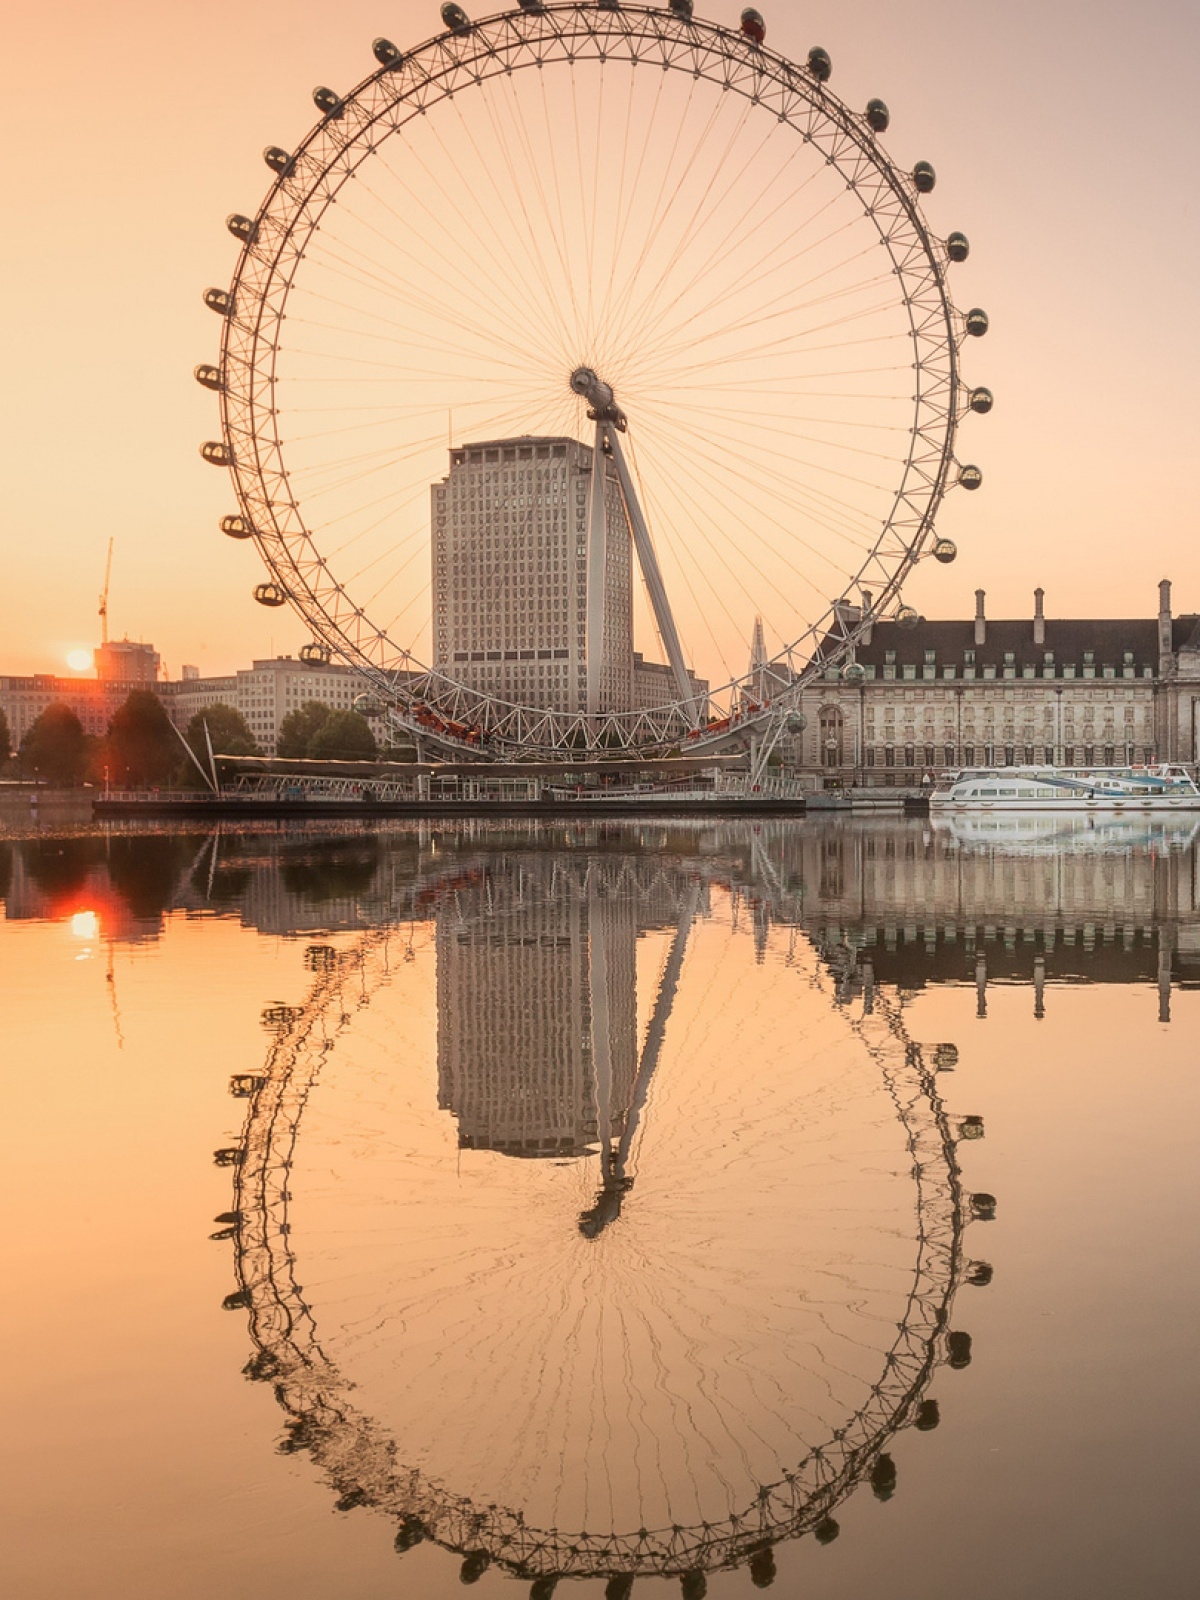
[60, 867]
[147, 871]
[331, 869]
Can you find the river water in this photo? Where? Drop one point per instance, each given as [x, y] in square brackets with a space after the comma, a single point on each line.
[678, 1206]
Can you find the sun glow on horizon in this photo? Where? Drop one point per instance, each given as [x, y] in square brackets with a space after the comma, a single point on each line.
[79, 660]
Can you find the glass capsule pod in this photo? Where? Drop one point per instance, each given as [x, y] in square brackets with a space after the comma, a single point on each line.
[269, 594]
[367, 705]
[681, 8]
[328, 102]
[608, 5]
[209, 377]
[878, 116]
[753, 25]
[386, 54]
[278, 160]
[853, 672]
[314, 654]
[243, 228]
[958, 247]
[924, 177]
[970, 477]
[982, 401]
[216, 453]
[907, 618]
[820, 64]
[455, 18]
[945, 551]
[220, 301]
[796, 722]
[977, 322]
[236, 527]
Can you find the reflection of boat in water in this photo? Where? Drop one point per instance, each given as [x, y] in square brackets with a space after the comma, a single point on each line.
[1038, 832]
[1138, 790]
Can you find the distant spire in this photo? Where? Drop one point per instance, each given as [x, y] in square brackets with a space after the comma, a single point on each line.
[758, 661]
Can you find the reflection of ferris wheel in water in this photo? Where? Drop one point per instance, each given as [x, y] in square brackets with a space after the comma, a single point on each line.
[611, 222]
[534, 1395]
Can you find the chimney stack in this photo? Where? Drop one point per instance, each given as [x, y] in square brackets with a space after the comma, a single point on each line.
[868, 617]
[1039, 617]
[980, 619]
[1164, 625]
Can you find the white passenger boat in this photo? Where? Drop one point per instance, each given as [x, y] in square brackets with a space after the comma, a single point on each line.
[1063, 789]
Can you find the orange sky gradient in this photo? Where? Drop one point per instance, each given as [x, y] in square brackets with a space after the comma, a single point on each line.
[1061, 138]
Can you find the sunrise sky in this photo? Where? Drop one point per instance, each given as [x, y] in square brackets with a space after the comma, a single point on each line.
[1061, 134]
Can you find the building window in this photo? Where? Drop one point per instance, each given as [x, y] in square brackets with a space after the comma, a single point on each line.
[1110, 755]
[949, 754]
[889, 755]
[1028, 756]
[1089, 755]
[930, 755]
[910, 755]
[1049, 754]
[870, 755]
[969, 755]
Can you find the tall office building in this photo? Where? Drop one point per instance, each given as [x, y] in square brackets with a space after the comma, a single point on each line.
[510, 575]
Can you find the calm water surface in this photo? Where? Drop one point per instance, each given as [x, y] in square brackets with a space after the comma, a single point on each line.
[702, 1207]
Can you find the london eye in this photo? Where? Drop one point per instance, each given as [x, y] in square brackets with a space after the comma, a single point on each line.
[591, 238]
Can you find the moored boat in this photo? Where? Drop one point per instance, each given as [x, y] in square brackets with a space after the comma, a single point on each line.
[1064, 789]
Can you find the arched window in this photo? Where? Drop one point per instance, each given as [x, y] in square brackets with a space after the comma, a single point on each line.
[832, 736]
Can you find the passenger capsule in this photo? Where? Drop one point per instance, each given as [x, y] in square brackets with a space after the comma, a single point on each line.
[958, 247]
[269, 594]
[278, 160]
[367, 705]
[878, 116]
[608, 5]
[826, 1531]
[924, 177]
[216, 453]
[533, 5]
[386, 54]
[315, 654]
[682, 8]
[219, 301]
[970, 477]
[455, 18]
[236, 527]
[982, 401]
[945, 551]
[979, 1274]
[329, 103]
[971, 1128]
[753, 25]
[907, 618]
[796, 722]
[242, 227]
[853, 672]
[983, 1206]
[928, 1416]
[209, 376]
[820, 64]
[977, 322]
[958, 1346]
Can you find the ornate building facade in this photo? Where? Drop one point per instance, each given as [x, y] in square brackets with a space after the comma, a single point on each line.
[1075, 692]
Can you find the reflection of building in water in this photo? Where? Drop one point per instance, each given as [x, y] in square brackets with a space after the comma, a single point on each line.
[537, 1000]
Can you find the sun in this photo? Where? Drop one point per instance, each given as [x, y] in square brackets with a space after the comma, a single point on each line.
[79, 660]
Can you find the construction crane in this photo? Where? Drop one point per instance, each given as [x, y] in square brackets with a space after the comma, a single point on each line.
[104, 596]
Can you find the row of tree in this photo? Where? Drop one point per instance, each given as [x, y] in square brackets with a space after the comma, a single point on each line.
[142, 749]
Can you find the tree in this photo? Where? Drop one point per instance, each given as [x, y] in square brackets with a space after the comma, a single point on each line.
[142, 746]
[298, 727]
[226, 728]
[345, 736]
[5, 739]
[56, 747]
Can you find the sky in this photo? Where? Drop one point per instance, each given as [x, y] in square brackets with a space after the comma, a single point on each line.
[1062, 141]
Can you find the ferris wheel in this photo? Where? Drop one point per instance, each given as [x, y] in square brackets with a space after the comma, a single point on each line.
[585, 235]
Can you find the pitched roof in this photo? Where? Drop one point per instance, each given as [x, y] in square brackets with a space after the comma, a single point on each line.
[1067, 639]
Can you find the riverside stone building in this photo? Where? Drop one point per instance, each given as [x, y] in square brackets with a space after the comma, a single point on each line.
[1072, 692]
